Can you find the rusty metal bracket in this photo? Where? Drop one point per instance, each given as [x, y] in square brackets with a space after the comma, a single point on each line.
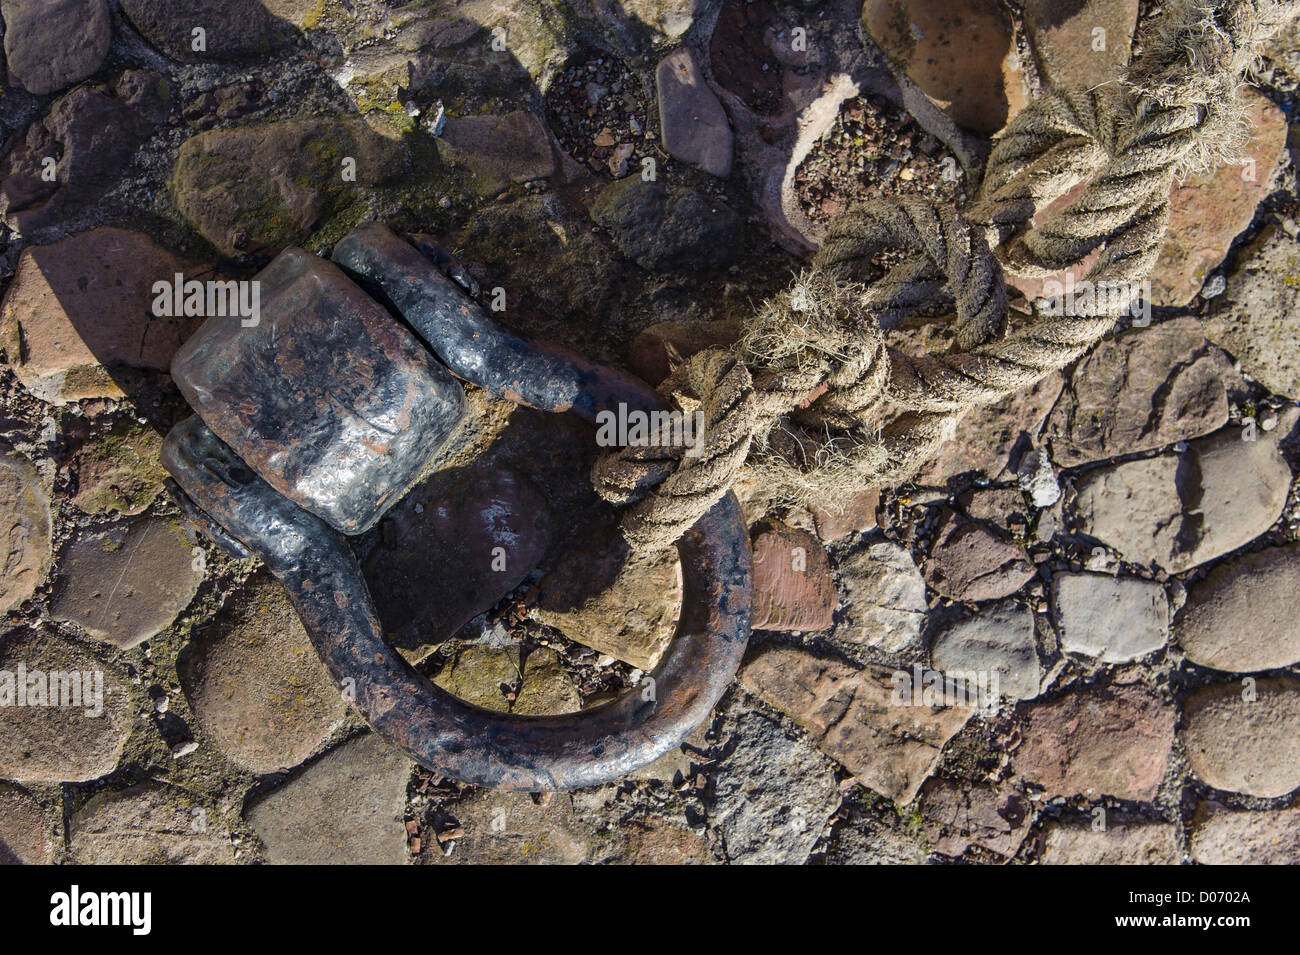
[320, 573]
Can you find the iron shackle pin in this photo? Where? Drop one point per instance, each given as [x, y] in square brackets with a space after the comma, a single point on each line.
[288, 458]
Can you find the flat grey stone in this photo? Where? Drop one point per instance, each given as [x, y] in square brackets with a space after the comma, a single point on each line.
[24, 529]
[344, 809]
[75, 741]
[773, 795]
[1258, 319]
[1242, 617]
[147, 824]
[695, 126]
[1264, 837]
[1111, 619]
[1179, 510]
[256, 684]
[1245, 737]
[124, 582]
[506, 828]
[998, 640]
[1139, 391]
[1136, 843]
[882, 597]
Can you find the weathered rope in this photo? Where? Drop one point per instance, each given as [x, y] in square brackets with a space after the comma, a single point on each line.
[804, 398]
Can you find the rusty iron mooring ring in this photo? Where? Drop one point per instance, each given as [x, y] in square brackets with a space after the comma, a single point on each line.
[320, 573]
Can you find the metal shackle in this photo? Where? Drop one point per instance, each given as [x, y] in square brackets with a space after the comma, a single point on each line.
[287, 458]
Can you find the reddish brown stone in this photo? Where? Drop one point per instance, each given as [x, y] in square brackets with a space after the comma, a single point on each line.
[853, 514]
[654, 841]
[969, 562]
[793, 589]
[991, 439]
[860, 717]
[1064, 35]
[960, 52]
[957, 816]
[1096, 741]
[80, 308]
[1207, 212]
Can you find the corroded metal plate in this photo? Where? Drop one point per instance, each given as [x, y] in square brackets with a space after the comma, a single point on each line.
[328, 398]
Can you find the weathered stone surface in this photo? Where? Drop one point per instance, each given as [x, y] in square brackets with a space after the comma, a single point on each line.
[957, 816]
[71, 742]
[850, 515]
[344, 809]
[991, 439]
[1095, 741]
[1064, 35]
[124, 582]
[483, 675]
[863, 718]
[503, 828]
[883, 598]
[547, 690]
[24, 839]
[793, 589]
[1258, 319]
[93, 132]
[657, 841]
[1139, 391]
[1000, 640]
[1180, 510]
[1266, 837]
[969, 562]
[666, 231]
[1206, 212]
[256, 684]
[671, 18]
[51, 44]
[147, 824]
[877, 837]
[611, 600]
[1241, 618]
[1111, 619]
[961, 54]
[1245, 746]
[1123, 843]
[79, 310]
[539, 257]
[1000, 506]
[119, 471]
[654, 350]
[234, 30]
[694, 124]
[272, 185]
[498, 150]
[24, 531]
[452, 548]
[772, 795]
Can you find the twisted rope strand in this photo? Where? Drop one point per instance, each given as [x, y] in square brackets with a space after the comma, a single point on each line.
[802, 400]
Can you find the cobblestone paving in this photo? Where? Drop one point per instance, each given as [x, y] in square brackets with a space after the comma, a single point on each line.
[1071, 641]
